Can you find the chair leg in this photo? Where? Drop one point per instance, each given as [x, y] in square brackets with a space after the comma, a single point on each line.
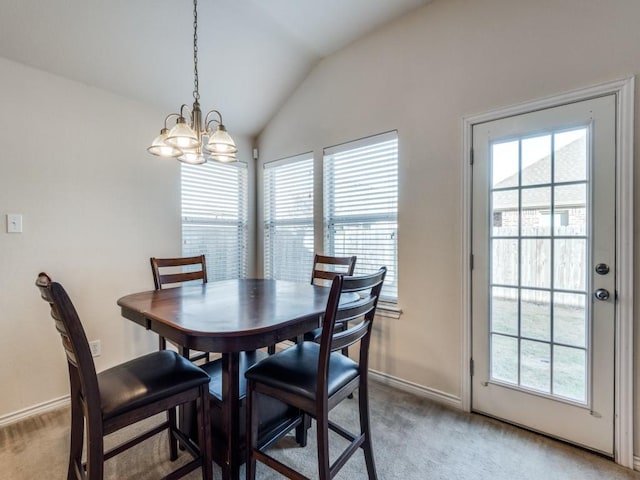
[173, 442]
[162, 343]
[322, 424]
[184, 351]
[95, 450]
[302, 430]
[271, 349]
[204, 432]
[365, 427]
[252, 431]
[77, 437]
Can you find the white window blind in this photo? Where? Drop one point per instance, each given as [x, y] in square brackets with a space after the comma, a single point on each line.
[214, 217]
[361, 205]
[288, 218]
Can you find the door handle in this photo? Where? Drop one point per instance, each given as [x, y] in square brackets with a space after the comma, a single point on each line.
[602, 294]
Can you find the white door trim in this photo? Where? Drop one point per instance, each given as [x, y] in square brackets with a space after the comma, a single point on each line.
[624, 91]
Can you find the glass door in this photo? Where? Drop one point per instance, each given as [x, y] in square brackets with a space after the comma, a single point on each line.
[543, 285]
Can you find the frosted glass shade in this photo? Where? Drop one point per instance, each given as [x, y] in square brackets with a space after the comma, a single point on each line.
[193, 157]
[160, 148]
[182, 136]
[221, 143]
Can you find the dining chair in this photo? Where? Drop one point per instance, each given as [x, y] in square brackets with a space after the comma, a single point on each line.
[315, 378]
[159, 267]
[324, 270]
[125, 394]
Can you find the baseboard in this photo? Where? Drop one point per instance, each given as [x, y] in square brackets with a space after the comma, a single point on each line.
[636, 463]
[34, 410]
[419, 390]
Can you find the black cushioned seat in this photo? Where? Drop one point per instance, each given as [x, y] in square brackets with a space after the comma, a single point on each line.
[145, 380]
[295, 370]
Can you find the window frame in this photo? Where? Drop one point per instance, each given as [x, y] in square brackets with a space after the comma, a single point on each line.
[279, 215]
[387, 207]
[216, 211]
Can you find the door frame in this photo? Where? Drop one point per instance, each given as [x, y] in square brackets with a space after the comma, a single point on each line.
[623, 89]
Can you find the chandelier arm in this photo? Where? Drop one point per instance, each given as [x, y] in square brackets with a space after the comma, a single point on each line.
[166, 119]
[182, 107]
[207, 121]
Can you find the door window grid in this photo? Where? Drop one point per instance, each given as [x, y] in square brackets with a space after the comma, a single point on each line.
[511, 230]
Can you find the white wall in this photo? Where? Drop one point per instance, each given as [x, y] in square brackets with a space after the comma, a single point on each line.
[421, 75]
[95, 206]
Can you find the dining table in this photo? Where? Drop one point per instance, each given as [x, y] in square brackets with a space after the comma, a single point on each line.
[229, 317]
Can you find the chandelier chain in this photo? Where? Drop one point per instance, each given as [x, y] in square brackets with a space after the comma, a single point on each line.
[196, 92]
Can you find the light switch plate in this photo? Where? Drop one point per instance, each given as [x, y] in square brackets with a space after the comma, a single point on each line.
[14, 223]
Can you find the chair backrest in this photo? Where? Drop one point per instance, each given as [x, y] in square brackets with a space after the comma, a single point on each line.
[326, 268]
[160, 279]
[356, 317]
[82, 371]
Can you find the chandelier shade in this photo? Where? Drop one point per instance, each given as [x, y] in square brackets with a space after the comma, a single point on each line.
[221, 143]
[195, 142]
[161, 148]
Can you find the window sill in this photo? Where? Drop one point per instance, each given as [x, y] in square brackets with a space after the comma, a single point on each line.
[388, 310]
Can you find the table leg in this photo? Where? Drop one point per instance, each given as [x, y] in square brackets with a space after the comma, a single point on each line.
[230, 414]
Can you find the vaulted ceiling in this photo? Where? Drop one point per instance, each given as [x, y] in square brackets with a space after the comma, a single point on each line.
[252, 53]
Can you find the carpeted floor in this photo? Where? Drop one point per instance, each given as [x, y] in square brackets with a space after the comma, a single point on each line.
[413, 439]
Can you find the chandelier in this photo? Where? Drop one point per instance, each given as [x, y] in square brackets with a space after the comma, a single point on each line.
[195, 142]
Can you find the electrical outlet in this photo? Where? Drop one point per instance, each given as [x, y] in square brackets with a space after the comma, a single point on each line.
[96, 348]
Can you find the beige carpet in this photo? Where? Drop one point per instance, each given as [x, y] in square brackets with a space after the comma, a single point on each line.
[413, 439]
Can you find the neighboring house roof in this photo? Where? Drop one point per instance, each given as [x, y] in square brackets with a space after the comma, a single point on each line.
[570, 165]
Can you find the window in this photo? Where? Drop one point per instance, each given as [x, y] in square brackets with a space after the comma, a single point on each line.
[361, 205]
[288, 218]
[214, 217]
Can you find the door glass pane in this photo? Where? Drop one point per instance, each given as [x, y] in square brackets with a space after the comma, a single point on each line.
[570, 319]
[505, 213]
[536, 160]
[504, 310]
[504, 164]
[570, 264]
[570, 373]
[539, 238]
[570, 210]
[535, 308]
[504, 358]
[504, 268]
[535, 370]
[570, 151]
[536, 212]
[536, 263]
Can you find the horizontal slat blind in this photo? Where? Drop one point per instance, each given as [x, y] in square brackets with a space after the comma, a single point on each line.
[288, 218]
[214, 217]
[361, 205]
